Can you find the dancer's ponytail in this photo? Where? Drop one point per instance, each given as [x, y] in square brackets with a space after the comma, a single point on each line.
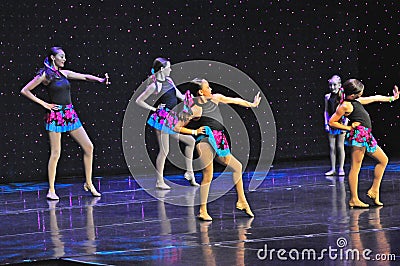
[49, 69]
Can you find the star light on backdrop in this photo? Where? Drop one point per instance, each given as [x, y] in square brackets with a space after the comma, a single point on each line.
[289, 48]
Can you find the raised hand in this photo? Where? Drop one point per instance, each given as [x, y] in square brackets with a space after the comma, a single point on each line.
[257, 99]
[106, 79]
[396, 92]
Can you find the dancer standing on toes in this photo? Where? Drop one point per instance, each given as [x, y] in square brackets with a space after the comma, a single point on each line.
[164, 118]
[207, 126]
[61, 116]
[335, 136]
[360, 138]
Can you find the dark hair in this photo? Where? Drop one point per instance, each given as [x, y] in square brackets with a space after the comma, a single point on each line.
[53, 51]
[195, 86]
[352, 86]
[50, 73]
[158, 63]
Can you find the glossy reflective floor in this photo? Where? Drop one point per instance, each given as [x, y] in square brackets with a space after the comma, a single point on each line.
[301, 216]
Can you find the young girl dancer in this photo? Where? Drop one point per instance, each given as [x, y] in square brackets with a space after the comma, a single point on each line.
[335, 136]
[61, 116]
[211, 141]
[360, 138]
[163, 119]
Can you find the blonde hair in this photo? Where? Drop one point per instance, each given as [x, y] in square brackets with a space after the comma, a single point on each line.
[335, 79]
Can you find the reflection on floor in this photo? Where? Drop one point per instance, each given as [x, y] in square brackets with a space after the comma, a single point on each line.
[302, 217]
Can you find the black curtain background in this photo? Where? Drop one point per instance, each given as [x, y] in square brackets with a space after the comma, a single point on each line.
[289, 48]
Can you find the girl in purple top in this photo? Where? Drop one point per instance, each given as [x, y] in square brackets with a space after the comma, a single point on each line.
[163, 119]
[61, 116]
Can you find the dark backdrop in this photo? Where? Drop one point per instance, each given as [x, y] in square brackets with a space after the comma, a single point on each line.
[289, 48]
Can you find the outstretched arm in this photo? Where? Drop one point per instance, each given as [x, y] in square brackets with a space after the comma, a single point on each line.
[239, 101]
[87, 77]
[380, 98]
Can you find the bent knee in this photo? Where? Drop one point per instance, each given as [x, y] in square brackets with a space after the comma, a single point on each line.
[88, 148]
[55, 154]
[163, 152]
[238, 167]
[192, 143]
[385, 160]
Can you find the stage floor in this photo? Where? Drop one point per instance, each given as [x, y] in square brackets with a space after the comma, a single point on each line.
[300, 216]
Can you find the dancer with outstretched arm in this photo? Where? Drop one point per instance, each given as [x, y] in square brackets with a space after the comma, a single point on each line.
[202, 118]
[61, 116]
[359, 137]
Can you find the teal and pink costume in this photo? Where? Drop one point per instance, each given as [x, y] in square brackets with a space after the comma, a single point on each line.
[165, 118]
[361, 136]
[59, 89]
[212, 120]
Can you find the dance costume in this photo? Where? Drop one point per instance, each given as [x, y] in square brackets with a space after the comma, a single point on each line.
[331, 109]
[165, 118]
[212, 120]
[65, 118]
[360, 136]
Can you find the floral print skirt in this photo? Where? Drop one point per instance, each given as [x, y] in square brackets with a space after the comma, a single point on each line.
[361, 137]
[217, 140]
[62, 120]
[164, 119]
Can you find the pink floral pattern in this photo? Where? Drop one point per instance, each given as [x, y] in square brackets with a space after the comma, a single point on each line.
[361, 137]
[220, 139]
[217, 140]
[188, 102]
[62, 120]
[62, 117]
[164, 119]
